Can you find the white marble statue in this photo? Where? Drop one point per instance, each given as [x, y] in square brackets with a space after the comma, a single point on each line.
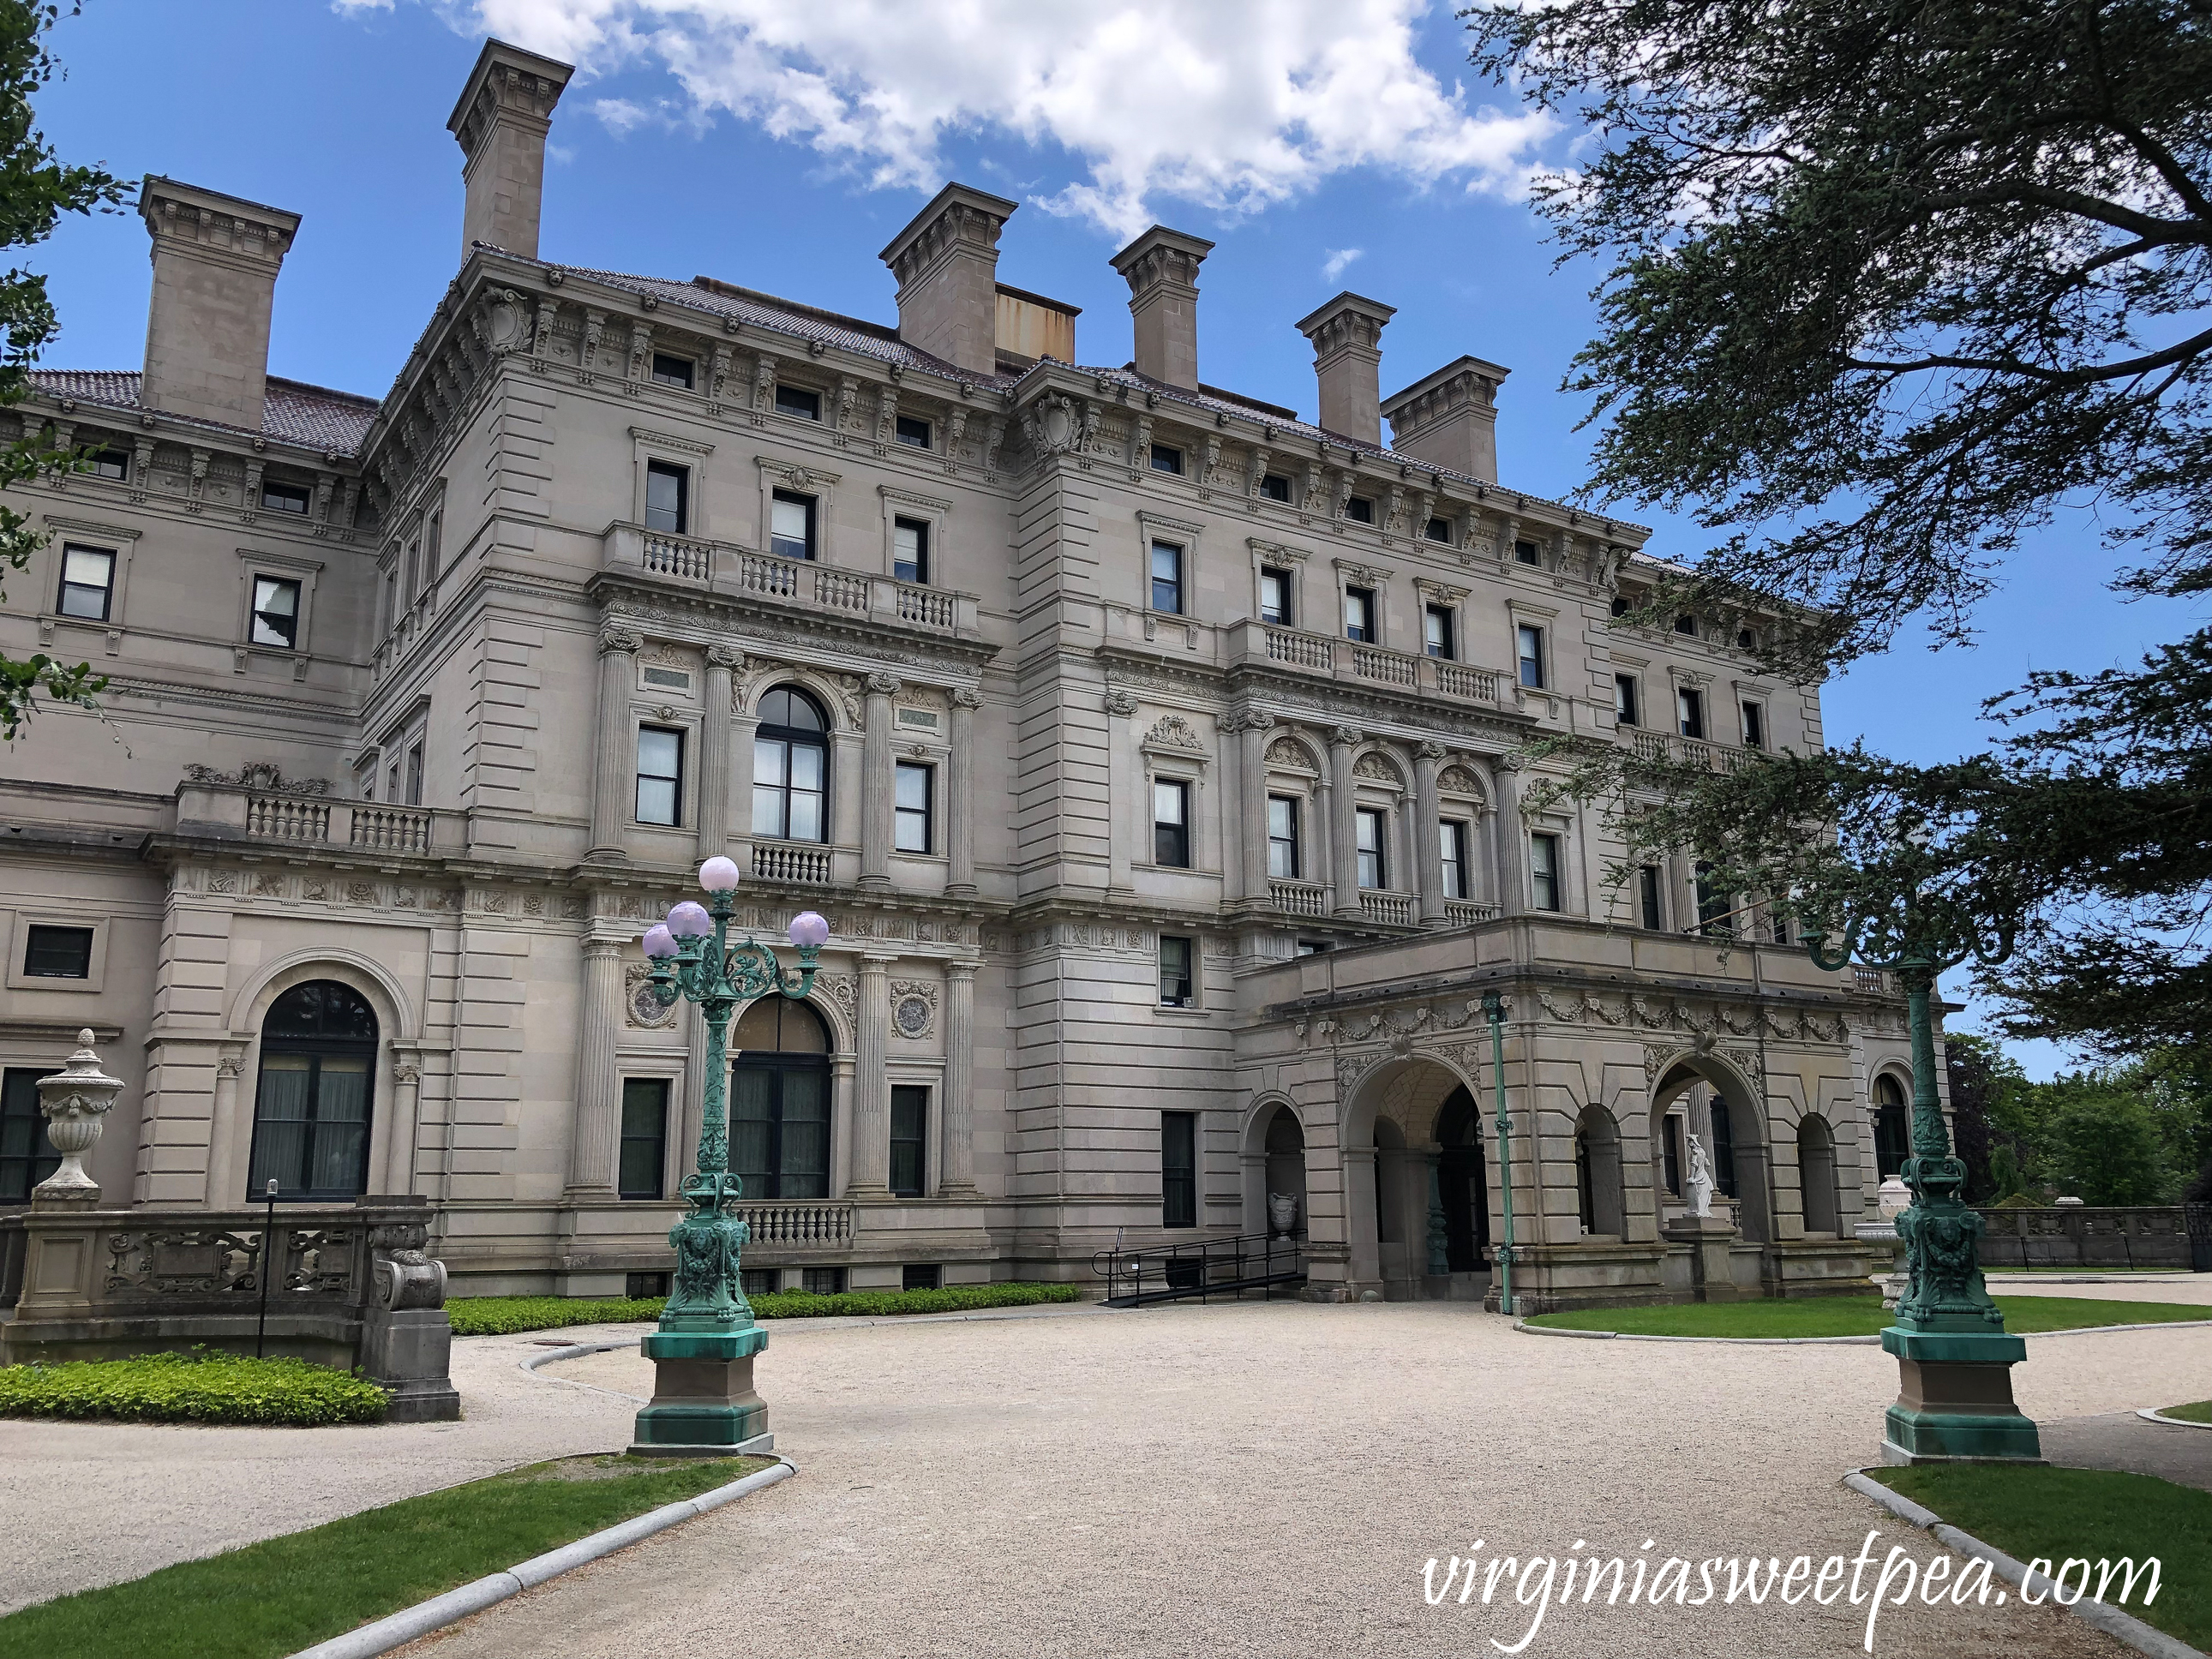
[1700, 1183]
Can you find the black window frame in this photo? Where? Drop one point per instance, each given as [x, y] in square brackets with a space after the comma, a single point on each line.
[1175, 583]
[1437, 530]
[1723, 1146]
[27, 1157]
[413, 797]
[1363, 599]
[1375, 859]
[1529, 553]
[1285, 609]
[642, 1150]
[1178, 958]
[778, 1066]
[1716, 918]
[260, 617]
[904, 818]
[1754, 715]
[800, 403]
[1545, 882]
[1893, 1128]
[1690, 712]
[1686, 624]
[114, 463]
[1171, 836]
[822, 1281]
[1167, 458]
[1275, 487]
[1287, 844]
[921, 1276]
[277, 496]
[669, 369]
[1453, 836]
[916, 569]
[1178, 1169]
[1441, 640]
[51, 933]
[792, 737]
[1528, 665]
[909, 1140]
[778, 543]
[1359, 509]
[316, 1048]
[915, 432]
[658, 518]
[106, 589]
[1627, 700]
[1650, 887]
[673, 780]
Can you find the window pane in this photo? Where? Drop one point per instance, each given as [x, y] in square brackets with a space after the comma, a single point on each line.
[791, 526]
[1532, 655]
[913, 432]
[658, 751]
[86, 575]
[803, 1166]
[809, 764]
[1624, 699]
[341, 1133]
[671, 371]
[1178, 1170]
[911, 819]
[1358, 615]
[665, 491]
[276, 612]
[1454, 859]
[1167, 578]
[1166, 458]
[1437, 632]
[910, 550]
[910, 1130]
[752, 1119]
[1372, 871]
[58, 952]
[644, 1137]
[1275, 597]
[807, 817]
[1544, 868]
[796, 400]
[771, 761]
[1174, 971]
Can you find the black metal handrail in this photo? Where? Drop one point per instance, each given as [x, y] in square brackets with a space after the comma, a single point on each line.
[1202, 1267]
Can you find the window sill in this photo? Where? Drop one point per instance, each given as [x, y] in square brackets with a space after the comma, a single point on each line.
[1197, 1016]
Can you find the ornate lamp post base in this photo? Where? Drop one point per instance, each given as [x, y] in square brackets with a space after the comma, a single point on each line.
[1954, 1399]
[703, 1400]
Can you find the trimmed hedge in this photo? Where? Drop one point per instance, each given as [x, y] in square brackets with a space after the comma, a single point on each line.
[506, 1316]
[200, 1387]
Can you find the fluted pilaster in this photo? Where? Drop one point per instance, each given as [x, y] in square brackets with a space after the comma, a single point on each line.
[958, 1161]
[1428, 835]
[613, 764]
[871, 1088]
[722, 663]
[599, 1081]
[876, 799]
[960, 796]
[1343, 833]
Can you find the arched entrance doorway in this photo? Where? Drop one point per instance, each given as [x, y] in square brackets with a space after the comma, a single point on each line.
[1712, 1104]
[312, 1102]
[1285, 1148]
[1462, 1184]
[1396, 1219]
[779, 1101]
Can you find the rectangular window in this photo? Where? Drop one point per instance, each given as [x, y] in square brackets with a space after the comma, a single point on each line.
[1455, 856]
[284, 498]
[667, 498]
[57, 952]
[791, 525]
[1167, 578]
[1174, 971]
[1283, 837]
[1531, 641]
[799, 401]
[916, 1277]
[415, 776]
[1690, 710]
[87, 582]
[822, 1281]
[911, 827]
[1368, 823]
[1178, 1169]
[1437, 631]
[638, 1286]
[915, 432]
[1275, 597]
[671, 371]
[1528, 553]
[1166, 458]
[1754, 726]
[909, 1136]
[1360, 509]
[1713, 906]
[910, 550]
[1778, 925]
[1647, 897]
[1671, 1154]
[659, 774]
[1315, 947]
[26, 1156]
[1438, 529]
[1686, 623]
[644, 1136]
[1274, 487]
[1624, 699]
[1172, 824]
[112, 463]
[276, 612]
[760, 1281]
[1359, 614]
[1544, 870]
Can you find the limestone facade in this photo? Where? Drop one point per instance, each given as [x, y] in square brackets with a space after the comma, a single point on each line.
[441, 697]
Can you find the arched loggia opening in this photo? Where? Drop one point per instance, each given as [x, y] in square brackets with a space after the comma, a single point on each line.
[1462, 1184]
[1713, 1106]
[1816, 1171]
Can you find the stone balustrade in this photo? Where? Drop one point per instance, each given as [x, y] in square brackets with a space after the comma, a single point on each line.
[1468, 913]
[1326, 656]
[1298, 898]
[235, 811]
[779, 1228]
[787, 860]
[724, 567]
[1392, 910]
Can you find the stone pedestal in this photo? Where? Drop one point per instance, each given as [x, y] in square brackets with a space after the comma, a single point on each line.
[1709, 1237]
[409, 1352]
[1954, 1399]
[703, 1401]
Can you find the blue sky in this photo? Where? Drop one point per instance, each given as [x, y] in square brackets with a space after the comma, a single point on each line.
[709, 138]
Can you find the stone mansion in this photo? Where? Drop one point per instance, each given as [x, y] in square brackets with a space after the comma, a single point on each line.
[1151, 751]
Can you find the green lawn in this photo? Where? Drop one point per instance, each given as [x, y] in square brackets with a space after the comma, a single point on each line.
[2201, 1411]
[1853, 1315]
[2090, 1514]
[503, 1315]
[266, 1600]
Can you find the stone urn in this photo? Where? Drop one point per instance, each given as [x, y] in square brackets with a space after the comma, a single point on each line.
[1283, 1213]
[75, 1100]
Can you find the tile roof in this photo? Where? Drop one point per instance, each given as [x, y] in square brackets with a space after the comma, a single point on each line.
[311, 416]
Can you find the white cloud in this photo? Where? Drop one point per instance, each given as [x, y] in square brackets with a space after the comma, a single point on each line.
[1339, 258]
[1230, 105]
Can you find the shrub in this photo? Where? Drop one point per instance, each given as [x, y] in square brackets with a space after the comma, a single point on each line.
[506, 1315]
[200, 1387]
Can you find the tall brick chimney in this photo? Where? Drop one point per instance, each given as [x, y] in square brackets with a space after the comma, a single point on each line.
[505, 112]
[1347, 341]
[216, 260]
[1161, 267]
[946, 261]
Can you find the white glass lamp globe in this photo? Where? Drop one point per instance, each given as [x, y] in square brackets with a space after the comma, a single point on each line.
[718, 875]
[809, 931]
[690, 920]
[659, 943]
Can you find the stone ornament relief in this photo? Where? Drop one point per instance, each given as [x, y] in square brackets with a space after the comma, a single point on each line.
[640, 1006]
[914, 1008]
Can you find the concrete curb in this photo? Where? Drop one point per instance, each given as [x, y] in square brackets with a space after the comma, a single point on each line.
[1797, 1341]
[2149, 1414]
[455, 1604]
[2120, 1626]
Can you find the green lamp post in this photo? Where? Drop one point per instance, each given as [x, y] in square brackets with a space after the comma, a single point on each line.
[703, 1401]
[1955, 1357]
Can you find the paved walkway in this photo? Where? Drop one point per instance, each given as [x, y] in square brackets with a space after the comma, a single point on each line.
[2122, 1440]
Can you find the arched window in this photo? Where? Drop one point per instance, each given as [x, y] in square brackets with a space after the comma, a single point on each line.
[1892, 1127]
[1816, 1169]
[1597, 1171]
[311, 1109]
[779, 1101]
[791, 767]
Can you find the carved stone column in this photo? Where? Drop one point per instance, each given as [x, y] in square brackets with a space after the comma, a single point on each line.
[406, 1097]
[598, 1084]
[871, 1089]
[723, 661]
[612, 761]
[1250, 813]
[223, 1127]
[876, 782]
[1122, 783]
[956, 1165]
[960, 796]
[1343, 832]
[1428, 835]
[1512, 841]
